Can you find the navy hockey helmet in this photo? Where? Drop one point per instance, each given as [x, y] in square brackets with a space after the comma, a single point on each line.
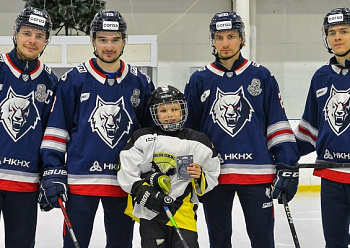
[34, 17]
[172, 97]
[225, 21]
[108, 21]
[334, 17]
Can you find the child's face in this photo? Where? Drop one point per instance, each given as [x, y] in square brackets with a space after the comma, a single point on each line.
[169, 113]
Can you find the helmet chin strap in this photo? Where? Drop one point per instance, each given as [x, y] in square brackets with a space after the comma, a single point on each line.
[342, 55]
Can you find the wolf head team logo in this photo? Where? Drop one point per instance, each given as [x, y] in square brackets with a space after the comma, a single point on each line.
[337, 110]
[231, 110]
[18, 114]
[110, 120]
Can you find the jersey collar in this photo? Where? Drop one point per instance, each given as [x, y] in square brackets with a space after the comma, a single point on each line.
[238, 66]
[99, 74]
[34, 67]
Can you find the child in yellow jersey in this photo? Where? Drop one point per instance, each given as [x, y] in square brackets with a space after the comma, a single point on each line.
[167, 165]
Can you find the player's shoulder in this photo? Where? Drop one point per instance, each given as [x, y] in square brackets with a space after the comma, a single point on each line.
[326, 69]
[142, 132]
[201, 75]
[74, 73]
[259, 69]
[195, 135]
[134, 72]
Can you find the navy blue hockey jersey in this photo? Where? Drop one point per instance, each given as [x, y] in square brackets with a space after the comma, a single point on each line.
[92, 119]
[26, 99]
[241, 111]
[324, 126]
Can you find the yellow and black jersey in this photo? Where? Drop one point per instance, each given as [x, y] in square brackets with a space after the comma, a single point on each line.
[151, 149]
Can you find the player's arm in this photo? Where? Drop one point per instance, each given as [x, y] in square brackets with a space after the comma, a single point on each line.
[194, 105]
[207, 169]
[281, 143]
[54, 146]
[307, 130]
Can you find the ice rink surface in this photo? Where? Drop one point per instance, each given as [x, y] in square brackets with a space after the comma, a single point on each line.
[305, 210]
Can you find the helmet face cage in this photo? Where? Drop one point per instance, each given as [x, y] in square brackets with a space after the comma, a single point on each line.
[225, 21]
[170, 100]
[334, 17]
[108, 21]
[166, 124]
[36, 18]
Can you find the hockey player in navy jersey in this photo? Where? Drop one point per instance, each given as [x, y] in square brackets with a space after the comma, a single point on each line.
[237, 103]
[324, 127]
[98, 105]
[26, 97]
[168, 165]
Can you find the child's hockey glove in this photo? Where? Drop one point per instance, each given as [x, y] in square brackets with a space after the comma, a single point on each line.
[152, 199]
[158, 180]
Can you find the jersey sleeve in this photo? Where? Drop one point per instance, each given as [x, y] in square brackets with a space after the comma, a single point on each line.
[142, 111]
[61, 122]
[280, 137]
[195, 109]
[129, 160]
[307, 130]
[210, 164]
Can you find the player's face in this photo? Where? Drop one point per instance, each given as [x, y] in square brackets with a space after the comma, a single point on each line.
[339, 38]
[169, 113]
[109, 45]
[227, 43]
[30, 42]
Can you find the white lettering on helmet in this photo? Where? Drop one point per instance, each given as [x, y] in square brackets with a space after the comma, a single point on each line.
[335, 18]
[37, 12]
[223, 25]
[108, 25]
[37, 20]
[223, 14]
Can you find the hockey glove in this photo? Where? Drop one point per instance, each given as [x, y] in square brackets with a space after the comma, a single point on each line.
[44, 205]
[286, 182]
[157, 180]
[152, 199]
[54, 183]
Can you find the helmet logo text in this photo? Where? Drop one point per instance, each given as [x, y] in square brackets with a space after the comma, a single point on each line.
[37, 20]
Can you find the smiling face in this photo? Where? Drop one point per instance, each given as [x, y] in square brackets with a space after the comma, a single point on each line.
[30, 42]
[169, 112]
[339, 38]
[108, 46]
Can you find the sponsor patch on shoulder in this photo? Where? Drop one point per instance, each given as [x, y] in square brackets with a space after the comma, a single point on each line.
[84, 96]
[321, 92]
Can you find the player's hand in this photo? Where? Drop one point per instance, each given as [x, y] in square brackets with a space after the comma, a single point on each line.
[54, 184]
[286, 181]
[158, 180]
[195, 170]
[152, 199]
[43, 203]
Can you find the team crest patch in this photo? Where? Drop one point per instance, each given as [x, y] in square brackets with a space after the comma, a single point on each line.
[337, 110]
[231, 111]
[254, 88]
[18, 114]
[110, 120]
[135, 98]
[41, 94]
